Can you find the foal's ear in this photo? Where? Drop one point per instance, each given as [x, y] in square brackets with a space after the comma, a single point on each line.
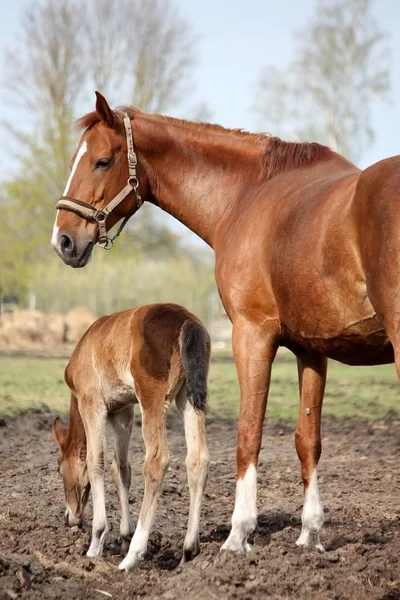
[59, 431]
[104, 111]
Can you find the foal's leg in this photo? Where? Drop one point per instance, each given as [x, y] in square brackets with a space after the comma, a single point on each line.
[94, 417]
[155, 466]
[254, 349]
[197, 461]
[312, 377]
[122, 423]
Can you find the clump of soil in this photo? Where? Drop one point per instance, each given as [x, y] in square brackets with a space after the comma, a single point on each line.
[359, 484]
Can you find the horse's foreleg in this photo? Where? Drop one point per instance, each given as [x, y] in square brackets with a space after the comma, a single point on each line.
[122, 423]
[312, 377]
[94, 419]
[254, 349]
[197, 468]
[155, 466]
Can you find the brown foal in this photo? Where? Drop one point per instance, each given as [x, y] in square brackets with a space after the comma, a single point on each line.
[306, 249]
[149, 355]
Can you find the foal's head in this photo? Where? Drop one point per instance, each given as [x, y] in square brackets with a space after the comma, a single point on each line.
[72, 467]
[99, 171]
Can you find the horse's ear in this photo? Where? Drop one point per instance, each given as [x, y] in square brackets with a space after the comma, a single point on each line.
[104, 111]
[59, 431]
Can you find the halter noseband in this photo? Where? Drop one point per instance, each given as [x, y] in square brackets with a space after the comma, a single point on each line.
[88, 212]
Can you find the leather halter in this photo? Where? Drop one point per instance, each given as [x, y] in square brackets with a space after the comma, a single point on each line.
[88, 212]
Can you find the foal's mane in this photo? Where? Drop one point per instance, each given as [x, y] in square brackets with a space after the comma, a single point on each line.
[276, 155]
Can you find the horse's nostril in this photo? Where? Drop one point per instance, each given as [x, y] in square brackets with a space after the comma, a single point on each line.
[66, 244]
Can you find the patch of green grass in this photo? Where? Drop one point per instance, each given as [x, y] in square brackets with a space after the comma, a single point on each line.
[32, 383]
[371, 393]
[351, 393]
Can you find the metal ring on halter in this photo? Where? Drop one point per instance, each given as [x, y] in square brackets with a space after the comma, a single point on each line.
[99, 216]
[135, 185]
[109, 244]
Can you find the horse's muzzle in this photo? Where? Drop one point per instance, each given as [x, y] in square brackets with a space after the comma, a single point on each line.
[71, 254]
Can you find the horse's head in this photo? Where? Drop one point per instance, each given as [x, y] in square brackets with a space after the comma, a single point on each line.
[102, 187]
[72, 467]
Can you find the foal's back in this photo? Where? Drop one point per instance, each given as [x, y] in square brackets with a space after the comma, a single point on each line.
[134, 354]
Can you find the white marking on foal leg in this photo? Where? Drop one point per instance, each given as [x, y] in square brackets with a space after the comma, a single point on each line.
[100, 526]
[155, 467]
[95, 438]
[312, 517]
[120, 470]
[82, 150]
[137, 548]
[244, 518]
[197, 461]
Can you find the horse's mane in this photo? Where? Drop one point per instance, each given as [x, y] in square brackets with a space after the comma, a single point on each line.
[276, 155]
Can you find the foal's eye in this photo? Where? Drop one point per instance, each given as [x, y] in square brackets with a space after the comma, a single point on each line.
[103, 163]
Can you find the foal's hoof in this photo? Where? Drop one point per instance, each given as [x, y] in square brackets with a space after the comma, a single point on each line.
[94, 552]
[237, 546]
[190, 553]
[309, 539]
[129, 563]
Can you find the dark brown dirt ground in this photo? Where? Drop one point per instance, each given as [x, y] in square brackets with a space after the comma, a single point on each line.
[360, 489]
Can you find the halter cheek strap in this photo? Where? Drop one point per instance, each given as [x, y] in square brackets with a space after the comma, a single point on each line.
[88, 212]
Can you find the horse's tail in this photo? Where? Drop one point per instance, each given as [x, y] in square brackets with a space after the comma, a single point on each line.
[194, 344]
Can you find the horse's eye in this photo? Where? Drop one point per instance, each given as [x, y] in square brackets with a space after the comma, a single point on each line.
[102, 163]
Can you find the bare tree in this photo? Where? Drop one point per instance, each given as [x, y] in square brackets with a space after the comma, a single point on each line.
[341, 68]
[139, 51]
[142, 49]
[44, 73]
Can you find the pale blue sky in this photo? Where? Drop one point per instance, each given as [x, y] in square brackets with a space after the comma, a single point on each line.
[236, 39]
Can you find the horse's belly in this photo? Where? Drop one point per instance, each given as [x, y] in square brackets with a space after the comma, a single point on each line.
[362, 343]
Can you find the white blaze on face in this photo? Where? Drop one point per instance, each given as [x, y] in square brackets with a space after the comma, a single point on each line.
[82, 150]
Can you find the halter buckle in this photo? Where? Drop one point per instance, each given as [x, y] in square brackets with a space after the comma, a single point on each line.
[132, 159]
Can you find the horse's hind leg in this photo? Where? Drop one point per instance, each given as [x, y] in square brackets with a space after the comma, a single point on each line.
[312, 376]
[122, 422]
[197, 468]
[155, 466]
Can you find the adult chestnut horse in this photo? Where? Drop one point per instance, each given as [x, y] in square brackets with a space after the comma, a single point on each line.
[307, 251]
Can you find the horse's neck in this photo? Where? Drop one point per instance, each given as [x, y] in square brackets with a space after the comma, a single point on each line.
[196, 175]
[76, 437]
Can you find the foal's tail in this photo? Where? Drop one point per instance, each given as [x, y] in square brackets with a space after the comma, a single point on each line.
[194, 344]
